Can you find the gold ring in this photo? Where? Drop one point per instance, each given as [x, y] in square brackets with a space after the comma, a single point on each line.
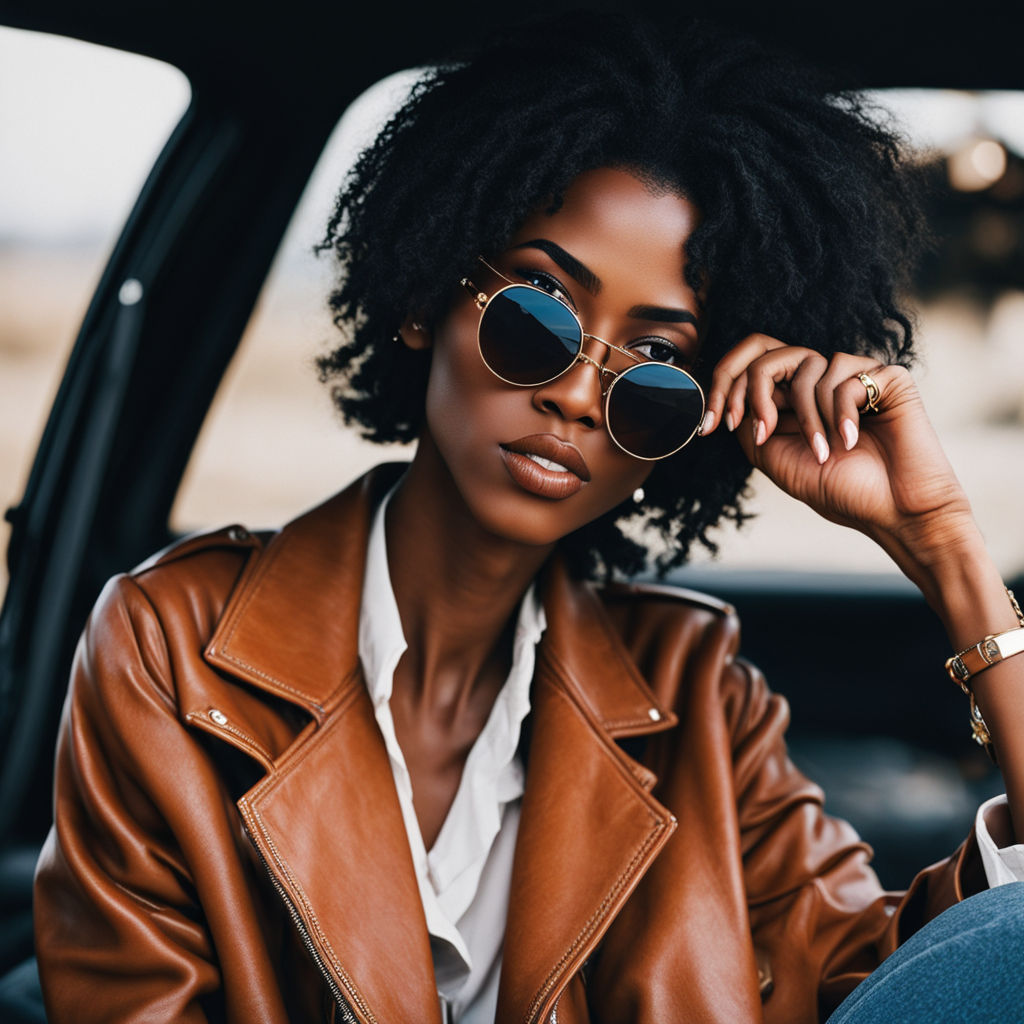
[873, 390]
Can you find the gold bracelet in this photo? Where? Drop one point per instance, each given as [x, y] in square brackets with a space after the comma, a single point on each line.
[978, 657]
[1016, 607]
[992, 649]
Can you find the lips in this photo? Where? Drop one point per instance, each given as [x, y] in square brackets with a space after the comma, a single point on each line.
[545, 465]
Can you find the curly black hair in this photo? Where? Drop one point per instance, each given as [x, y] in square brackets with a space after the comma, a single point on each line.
[810, 220]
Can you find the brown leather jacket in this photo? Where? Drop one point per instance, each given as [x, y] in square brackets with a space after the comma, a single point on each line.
[229, 845]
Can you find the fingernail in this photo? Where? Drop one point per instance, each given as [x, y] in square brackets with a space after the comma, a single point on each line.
[820, 446]
[730, 423]
[849, 432]
[760, 432]
[707, 424]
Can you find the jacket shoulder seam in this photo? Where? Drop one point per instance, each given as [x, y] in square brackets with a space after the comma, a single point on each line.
[234, 537]
[668, 591]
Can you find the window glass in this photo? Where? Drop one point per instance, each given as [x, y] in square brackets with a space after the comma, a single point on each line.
[80, 126]
[272, 444]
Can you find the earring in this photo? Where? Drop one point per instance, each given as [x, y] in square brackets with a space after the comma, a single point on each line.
[416, 325]
[638, 496]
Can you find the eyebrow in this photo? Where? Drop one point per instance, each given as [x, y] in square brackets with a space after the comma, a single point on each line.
[663, 315]
[585, 277]
[580, 273]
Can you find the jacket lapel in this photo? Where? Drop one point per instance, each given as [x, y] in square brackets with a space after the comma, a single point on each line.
[589, 827]
[292, 625]
[327, 812]
[328, 826]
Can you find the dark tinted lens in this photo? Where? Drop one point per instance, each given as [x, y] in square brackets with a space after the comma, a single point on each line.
[653, 409]
[528, 337]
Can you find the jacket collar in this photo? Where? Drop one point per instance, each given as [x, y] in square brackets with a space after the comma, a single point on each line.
[311, 576]
[292, 625]
[321, 826]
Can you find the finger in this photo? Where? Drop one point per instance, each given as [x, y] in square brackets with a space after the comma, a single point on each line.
[769, 388]
[847, 410]
[852, 397]
[840, 395]
[735, 406]
[764, 395]
[728, 370]
[745, 436]
[805, 402]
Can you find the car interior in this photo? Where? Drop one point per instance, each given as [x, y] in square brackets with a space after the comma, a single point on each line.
[882, 730]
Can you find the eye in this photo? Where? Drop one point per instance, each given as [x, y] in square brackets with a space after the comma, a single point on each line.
[544, 281]
[659, 350]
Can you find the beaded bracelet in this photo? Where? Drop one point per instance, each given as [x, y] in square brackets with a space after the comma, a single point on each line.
[978, 657]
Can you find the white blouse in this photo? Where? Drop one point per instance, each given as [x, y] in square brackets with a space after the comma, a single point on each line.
[464, 878]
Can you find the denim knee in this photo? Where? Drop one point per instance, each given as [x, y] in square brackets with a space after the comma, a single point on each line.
[966, 966]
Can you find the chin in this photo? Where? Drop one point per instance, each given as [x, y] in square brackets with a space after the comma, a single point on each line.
[531, 522]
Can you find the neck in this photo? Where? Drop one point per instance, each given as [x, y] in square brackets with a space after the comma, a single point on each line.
[456, 585]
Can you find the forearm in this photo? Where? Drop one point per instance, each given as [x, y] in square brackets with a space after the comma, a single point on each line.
[964, 588]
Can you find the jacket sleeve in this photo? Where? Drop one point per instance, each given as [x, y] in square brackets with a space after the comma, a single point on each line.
[127, 920]
[816, 907]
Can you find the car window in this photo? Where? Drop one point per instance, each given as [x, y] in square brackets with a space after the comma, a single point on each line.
[272, 446]
[65, 191]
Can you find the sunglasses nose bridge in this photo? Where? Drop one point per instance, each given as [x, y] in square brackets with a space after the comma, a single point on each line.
[601, 351]
[607, 346]
[572, 393]
[604, 375]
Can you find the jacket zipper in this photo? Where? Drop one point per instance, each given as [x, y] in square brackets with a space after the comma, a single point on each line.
[347, 1015]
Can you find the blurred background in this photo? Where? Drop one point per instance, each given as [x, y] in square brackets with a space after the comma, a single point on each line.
[80, 126]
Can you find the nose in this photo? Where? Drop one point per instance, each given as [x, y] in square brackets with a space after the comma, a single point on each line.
[578, 394]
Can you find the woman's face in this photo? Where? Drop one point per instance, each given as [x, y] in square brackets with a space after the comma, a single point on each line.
[535, 463]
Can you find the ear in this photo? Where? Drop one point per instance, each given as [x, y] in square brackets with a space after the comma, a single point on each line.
[414, 334]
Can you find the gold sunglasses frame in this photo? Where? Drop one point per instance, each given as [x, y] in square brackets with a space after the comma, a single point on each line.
[483, 300]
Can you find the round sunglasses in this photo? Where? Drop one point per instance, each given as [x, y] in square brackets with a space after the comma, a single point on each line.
[527, 337]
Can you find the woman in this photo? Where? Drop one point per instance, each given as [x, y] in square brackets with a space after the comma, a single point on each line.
[398, 755]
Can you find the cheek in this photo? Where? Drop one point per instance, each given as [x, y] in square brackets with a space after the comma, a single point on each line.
[459, 387]
[469, 411]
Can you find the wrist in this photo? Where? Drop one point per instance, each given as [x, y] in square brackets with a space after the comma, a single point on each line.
[969, 596]
[954, 571]
[925, 545]
[934, 544]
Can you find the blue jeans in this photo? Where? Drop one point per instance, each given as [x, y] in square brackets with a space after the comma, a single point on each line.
[965, 967]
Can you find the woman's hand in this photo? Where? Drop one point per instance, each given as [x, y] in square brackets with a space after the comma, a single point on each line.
[801, 420]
